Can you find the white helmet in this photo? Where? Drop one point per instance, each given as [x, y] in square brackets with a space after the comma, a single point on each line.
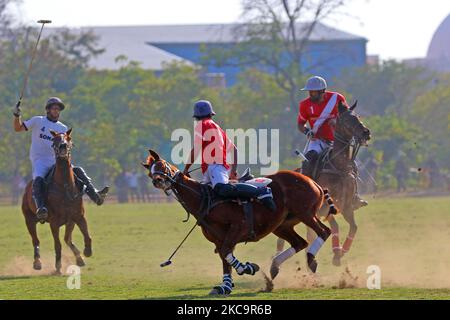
[315, 84]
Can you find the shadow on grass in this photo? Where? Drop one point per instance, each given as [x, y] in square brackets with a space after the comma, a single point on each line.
[204, 296]
[2, 278]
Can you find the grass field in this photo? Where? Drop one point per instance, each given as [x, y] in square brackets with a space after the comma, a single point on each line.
[407, 238]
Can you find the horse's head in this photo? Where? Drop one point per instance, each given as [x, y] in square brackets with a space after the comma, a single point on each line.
[349, 125]
[162, 173]
[62, 144]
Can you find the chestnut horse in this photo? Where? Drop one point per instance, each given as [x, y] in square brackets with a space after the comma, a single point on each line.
[64, 202]
[298, 199]
[336, 176]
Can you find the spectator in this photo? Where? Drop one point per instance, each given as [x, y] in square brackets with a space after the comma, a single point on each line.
[144, 190]
[401, 174]
[122, 187]
[132, 178]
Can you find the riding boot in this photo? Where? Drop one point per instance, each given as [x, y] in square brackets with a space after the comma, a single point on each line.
[39, 199]
[98, 197]
[247, 191]
[309, 164]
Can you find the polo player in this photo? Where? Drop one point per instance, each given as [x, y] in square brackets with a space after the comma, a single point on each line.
[42, 155]
[320, 110]
[214, 146]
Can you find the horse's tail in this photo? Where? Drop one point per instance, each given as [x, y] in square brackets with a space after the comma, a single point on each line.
[330, 202]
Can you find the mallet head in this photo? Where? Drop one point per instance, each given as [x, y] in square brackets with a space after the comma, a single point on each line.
[45, 21]
[165, 264]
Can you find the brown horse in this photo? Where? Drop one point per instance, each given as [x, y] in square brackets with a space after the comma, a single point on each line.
[337, 177]
[298, 199]
[65, 206]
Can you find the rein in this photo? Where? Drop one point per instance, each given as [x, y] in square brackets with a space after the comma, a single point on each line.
[173, 179]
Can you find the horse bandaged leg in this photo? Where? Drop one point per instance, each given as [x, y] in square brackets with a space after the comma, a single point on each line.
[282, 257]
[316, 245]
[335, 241]
[347, 244]
[241, 269]
[225, 288]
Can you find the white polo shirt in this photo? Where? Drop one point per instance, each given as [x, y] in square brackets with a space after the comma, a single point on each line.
[41, 138]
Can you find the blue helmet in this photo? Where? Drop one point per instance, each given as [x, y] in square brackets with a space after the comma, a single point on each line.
[315, 84]
[203, 108]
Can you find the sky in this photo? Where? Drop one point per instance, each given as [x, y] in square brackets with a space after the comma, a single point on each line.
[398, 29]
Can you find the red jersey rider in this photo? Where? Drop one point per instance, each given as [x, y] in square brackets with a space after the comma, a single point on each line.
[320, 110]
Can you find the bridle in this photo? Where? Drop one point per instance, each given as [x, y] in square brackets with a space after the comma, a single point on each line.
[57, 150]
[354, 142]
[172, 177]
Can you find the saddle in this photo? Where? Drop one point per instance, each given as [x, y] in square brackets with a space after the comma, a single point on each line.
[48, 179]
[211, 199]
[323, 164]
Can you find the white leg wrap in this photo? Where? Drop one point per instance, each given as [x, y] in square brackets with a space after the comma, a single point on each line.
[315, 247]
[282, 257]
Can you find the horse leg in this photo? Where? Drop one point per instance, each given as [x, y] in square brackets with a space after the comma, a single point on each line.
[31, 225]
[297, 243]
[323, 233]
[68, 240]
[350, 218]
[83, 226]
[280, 246]
[227, 283]
[227, 248]
[55, 233]
[335, 242]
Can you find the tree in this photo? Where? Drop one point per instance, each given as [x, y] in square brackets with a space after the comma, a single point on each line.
[275, 37]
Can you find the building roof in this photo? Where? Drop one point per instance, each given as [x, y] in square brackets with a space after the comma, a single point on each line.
[440, 44]
[135, 42]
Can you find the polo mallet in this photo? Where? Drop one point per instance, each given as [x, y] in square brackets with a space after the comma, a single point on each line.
[169, 261]
[25, 82]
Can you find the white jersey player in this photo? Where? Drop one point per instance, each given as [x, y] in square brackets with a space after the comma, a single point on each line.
[42, 155]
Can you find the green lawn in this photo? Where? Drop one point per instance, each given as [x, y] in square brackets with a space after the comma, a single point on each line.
[407, 238]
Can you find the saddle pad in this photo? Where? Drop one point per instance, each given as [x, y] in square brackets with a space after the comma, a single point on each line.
[259, 182]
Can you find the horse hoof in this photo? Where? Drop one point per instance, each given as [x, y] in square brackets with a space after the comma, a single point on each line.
[220, 291]
[251, 268]
[312, 263]
[37, 265]
[87, 252]
[274, 270]
[80, 262]
[337, 260]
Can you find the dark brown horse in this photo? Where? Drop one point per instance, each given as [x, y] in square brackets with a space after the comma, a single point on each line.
[297, 197]
[337, 177]
[65, 206]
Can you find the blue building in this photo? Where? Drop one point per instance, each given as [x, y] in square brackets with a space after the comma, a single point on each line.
[329, 50]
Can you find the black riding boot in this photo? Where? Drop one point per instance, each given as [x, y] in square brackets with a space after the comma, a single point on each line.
[310, 163]
[39, 199]
[247, 191]
[97, 196]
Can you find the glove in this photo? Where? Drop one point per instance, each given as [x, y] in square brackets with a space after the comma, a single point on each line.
[309, 133]
[17, 111]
